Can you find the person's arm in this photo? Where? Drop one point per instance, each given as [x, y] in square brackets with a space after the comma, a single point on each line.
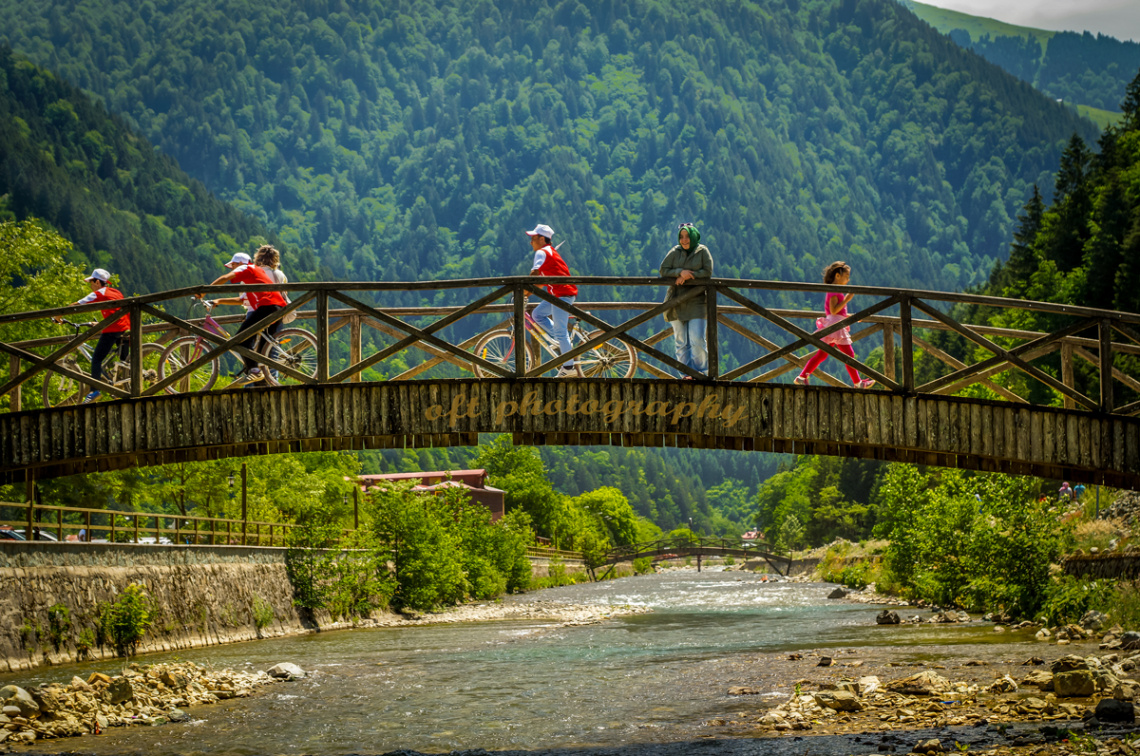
[669, 268]
[706, 269]
[224, 278]
[89, 298]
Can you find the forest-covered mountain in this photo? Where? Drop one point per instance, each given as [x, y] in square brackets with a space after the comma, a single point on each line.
[404, 140]
[1082, 68]
[124, 205]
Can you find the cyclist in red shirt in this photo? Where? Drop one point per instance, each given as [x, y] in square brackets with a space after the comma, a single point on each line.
[263, 304]
[547, 262]
[113, 336]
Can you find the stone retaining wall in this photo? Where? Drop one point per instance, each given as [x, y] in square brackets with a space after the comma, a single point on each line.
[1111, 566]
[203, 595]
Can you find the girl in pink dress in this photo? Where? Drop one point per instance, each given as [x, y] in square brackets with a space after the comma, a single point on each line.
[835, 305]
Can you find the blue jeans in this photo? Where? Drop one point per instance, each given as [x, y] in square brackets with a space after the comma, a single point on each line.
[689, 343]
[554, 320]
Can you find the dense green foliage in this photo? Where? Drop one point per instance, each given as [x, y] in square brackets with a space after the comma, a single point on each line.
[818, 499]
[124, 622]
[123, 205]
[407, 140]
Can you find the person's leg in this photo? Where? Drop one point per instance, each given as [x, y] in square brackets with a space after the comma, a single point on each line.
[698, 348]
[251, 317]
[680, 341]
[543, 316]
[815, 361]
[852, 373]
[561, 333]
[103, 347]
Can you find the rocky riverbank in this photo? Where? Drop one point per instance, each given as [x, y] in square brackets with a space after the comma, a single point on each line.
[142, 695]
[563, 615]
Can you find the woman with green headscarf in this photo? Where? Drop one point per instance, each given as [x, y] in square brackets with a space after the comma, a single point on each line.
[688, 260]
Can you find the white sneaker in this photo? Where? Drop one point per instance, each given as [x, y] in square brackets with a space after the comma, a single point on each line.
[253, 376]
[567, 372]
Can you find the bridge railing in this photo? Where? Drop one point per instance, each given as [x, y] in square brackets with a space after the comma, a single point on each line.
[375, 331]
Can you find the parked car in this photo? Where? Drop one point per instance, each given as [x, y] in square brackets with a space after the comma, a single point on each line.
[41, 535]
[7, 534]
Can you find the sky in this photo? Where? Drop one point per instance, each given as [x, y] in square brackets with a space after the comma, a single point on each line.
[1116, 18]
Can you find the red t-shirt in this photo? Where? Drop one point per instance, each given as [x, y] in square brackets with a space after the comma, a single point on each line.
[251, 274]
[547, 262]
[107, 294]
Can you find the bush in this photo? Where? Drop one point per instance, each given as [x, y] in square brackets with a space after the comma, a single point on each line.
[262, 612]
[59, 625]
[1070, 597]
[85, 642]
[310, 555]
[124, 623]
[643, 565]
[358, 579]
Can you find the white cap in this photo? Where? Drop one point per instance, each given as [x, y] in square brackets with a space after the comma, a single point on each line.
[541, 230]
[239, 258]
[99, 275]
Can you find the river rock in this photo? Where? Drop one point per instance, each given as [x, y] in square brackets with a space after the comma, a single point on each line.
[888, 617]
[286, 671]
[923, 684]
[933, 745]
[825, 661]
[1112, 710]
[47, 698]
[1125, 690]
[740, 690]
[174, 680]
[1040, 678]
[98, 677]
[1130, 640]
[839, 700]
[1043, 634]
[1069, 663]
[13, 695]
[10, 711]
[867, 685]
[838, 593]
[1004, 684]
[1076, 683]
[1093, 621]
[119, 691]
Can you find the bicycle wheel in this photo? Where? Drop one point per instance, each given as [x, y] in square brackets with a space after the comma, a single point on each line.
[180, 353]
[63, 390]
[612, 359]
[296, 348]
[497, 348]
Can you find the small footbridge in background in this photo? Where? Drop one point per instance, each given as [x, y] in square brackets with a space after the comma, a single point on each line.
[692, 545]
[368, 366]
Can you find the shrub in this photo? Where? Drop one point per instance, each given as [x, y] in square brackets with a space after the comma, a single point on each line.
[1069, 598]
[85, 642]
[262, 613]
[643, 565]
[124, 623]
[59, 625]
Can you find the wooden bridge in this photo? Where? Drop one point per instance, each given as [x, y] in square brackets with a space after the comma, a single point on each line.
[679, 546]
[376, 373]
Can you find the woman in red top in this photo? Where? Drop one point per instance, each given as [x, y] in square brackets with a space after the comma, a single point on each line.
[262, 304]
[835, 305]
[113, 336]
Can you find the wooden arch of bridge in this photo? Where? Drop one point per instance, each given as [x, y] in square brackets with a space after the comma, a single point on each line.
[691, 545]
[389, 374]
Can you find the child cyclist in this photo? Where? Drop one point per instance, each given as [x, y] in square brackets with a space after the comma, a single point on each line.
[261, 304]
[835, 307]
[114, 336]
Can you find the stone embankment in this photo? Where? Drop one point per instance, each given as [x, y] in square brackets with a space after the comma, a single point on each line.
[142, 695]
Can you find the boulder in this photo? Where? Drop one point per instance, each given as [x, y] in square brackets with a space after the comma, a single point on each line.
[1076, 683]
[1003, 685]
[119, 691]
[1069, 663]
[867, 685]
[97, 677]
[1130, 640]
[741, 690]
[47, 699]
[13, 695]
[174, 680]
[888, 617]
[825, 661]
[1125, 690]
[838, 593]
[923, 684]
[286, 671]
[1043, 634]
[933, 745]
[839, 700]
[1113, 710]
[1093, 621]
[1040, 678]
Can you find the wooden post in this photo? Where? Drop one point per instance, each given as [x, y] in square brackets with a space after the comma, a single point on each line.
[711, 338]
[244, 513]
[31, 494]
[889, 350]
[1067, 377]
[322, 336]
[136, 351]
[87, 530]
[14, 396]
[59, 524]
[907, 346]
[355, 507]
[1106, 365]
[354, 345]
[520, 333]
[259, 533]
[136, 522]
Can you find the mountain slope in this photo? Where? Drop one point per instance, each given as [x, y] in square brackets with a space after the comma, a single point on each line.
[1079, 68]
[409, 140]
[125, 206]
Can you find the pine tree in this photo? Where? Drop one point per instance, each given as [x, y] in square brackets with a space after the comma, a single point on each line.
[1131, 105]
[1023, 258]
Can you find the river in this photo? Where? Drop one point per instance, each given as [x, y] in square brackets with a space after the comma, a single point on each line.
[648, 678]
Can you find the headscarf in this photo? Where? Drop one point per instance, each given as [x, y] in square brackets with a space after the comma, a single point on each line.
[694, 235]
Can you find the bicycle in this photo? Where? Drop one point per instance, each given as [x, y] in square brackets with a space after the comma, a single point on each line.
[611, 359]
[65, 391]
[294, 347]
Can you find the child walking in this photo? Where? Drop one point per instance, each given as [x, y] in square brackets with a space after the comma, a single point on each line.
[835, 307]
